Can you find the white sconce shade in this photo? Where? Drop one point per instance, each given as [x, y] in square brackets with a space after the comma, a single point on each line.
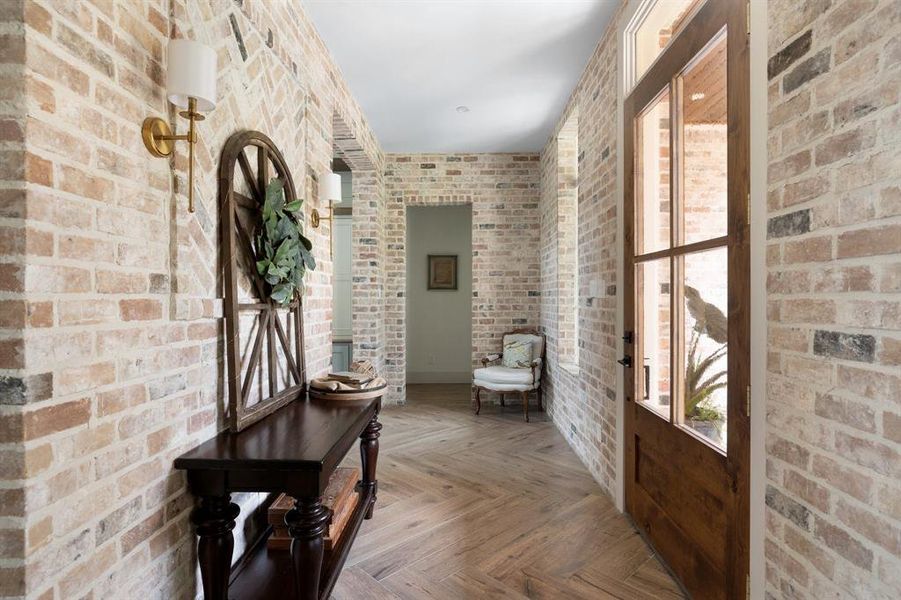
[191, 73]
[331, 187]
[329, 191]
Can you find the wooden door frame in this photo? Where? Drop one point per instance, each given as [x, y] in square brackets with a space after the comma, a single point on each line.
[702, 27]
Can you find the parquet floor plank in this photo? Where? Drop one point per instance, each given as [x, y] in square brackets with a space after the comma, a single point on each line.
[356, 584]
[488, 506]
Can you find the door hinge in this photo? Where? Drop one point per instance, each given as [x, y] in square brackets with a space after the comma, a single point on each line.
[748, 16]
[748, 402]
[748, 204]
[748, 586]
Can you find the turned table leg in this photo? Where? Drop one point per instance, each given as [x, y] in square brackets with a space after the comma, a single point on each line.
[307, 522]
[214, 520]
[369, 456]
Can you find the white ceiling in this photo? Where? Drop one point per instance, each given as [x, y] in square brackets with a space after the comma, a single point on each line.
[410, 63]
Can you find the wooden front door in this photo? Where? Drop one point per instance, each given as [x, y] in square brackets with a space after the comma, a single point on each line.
[686, 302]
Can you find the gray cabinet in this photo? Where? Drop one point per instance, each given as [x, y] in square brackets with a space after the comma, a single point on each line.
[342, 356]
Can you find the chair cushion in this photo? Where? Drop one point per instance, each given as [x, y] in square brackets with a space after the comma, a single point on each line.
[505, 387]
[503, 375]
[517, 354]
[536, 340]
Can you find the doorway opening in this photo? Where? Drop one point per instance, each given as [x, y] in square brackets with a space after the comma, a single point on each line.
[439, 294]
[342, 297]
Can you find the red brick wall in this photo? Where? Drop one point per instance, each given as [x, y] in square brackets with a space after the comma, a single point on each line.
[119, 298]
[834, 299]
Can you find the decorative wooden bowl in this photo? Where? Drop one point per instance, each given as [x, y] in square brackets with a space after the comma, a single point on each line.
[348, 395]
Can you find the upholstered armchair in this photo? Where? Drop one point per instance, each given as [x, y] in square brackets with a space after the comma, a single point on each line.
[515, 370]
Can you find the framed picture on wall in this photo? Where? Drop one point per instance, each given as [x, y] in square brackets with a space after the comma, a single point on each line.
[442, 272]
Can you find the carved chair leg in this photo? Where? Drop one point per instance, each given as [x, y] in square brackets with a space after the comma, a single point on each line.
[307, 522]
[478, 399]
[525, 405]
[214, 520]
[502, 400]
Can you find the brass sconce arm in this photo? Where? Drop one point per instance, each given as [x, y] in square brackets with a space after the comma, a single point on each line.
[158, 138]
[316, 220]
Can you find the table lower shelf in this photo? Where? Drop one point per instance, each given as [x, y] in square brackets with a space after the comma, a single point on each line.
[269, 575]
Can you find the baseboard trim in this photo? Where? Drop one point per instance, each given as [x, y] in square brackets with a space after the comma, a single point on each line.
[439, 377]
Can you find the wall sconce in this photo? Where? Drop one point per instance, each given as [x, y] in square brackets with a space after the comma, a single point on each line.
[190, 85]
[331, 191]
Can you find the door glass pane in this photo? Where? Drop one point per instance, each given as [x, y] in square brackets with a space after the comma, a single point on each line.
[652, 364]
[658, 27]
[703, 141]
[652, 176]
[705, 334]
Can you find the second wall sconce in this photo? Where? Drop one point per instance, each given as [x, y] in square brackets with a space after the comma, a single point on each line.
[330, 190]
[191, 86]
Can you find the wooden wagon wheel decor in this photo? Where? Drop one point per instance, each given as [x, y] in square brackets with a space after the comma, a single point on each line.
[264, 339]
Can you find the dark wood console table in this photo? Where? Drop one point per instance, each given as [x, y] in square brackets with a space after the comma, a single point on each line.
[294, 450]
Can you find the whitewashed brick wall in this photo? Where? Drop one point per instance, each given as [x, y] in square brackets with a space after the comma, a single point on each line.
[582, 401]
[16, 313]
[834, 299]
[110, 352]
[567, 242]
[110, 355]
[503, 192]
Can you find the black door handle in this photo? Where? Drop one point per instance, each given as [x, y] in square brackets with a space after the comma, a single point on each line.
[626, 361]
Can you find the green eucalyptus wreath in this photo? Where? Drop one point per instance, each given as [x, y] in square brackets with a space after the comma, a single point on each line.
[283, 253]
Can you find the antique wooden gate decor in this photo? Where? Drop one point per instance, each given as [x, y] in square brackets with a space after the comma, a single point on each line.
[264, 340]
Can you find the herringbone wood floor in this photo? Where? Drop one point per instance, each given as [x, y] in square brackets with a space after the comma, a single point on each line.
[490, 507]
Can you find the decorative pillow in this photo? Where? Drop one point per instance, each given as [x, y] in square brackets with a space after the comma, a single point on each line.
[517, 354]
